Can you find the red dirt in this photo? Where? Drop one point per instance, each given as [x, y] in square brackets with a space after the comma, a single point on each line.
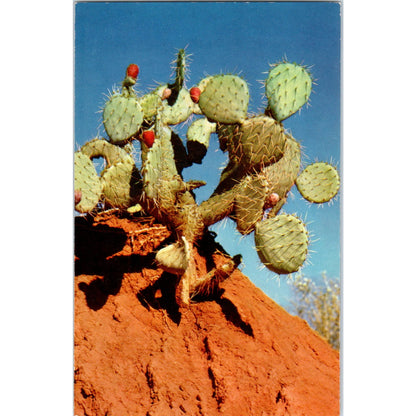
[237, 353]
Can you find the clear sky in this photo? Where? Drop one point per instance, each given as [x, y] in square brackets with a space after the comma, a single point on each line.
[241, 38]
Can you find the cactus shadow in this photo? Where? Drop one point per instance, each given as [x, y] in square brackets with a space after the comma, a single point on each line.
[161, 296]
[94, 243]
[98, 291]
[112, 272]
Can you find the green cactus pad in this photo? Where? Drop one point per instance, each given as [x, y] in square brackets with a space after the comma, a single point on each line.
[122, 117]
[150, 104]
[288, 88]
[282, 243]
[122, 184]
[281, 176]
[87, 181]
[258, 142]
[224, 98]
[158, 166]
[319, 182]
[102, 148]
[180, 111]
[198, 135]
[249, 202]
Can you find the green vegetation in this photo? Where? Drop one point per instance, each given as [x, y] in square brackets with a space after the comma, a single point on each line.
[319, 305]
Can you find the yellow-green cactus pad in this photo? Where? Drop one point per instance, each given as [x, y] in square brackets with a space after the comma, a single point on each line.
[180, 111]
[121, 184]
[122, 117]
[319, 182]
[224, 98]
[282, 243]
[249, 202]
[87, 181]
[150, 104]
[282, 175]
[288, 88]
[97, 148]
[198, 135]
[258, 142]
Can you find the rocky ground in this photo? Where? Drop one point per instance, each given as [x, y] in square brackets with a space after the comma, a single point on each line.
[234, 353]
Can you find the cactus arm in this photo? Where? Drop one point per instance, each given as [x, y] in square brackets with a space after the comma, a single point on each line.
[177, 85]
[282, 175]
[102, 148]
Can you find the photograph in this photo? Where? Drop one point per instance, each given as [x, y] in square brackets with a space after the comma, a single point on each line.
[207, 186]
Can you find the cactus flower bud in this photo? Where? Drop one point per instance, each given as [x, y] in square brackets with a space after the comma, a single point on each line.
[271, 201]
[132, 71]
[166, 93]
[148, 137]
[195, 92]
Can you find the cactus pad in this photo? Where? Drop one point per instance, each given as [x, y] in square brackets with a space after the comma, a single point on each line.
[149, 104]
[249, 202]
[102, 148]
[258, 142]
[282, 243]
[198, 135]
[224, 98]
[319, 182]
[121, 184]
[282, 175]
[87, 182]
[288, 88]
[181, 110]
[122, 117]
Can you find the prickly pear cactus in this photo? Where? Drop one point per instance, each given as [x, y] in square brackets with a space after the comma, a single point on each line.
[118, 186]
[87, 183]
[224, 98]
[319, 182]
[288, 88]
[123, 114]
[122, 184]
[257, 142]
[282, 243]
[198, 136]
[264, 162]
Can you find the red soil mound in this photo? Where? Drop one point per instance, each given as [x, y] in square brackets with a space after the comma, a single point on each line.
[236, 353]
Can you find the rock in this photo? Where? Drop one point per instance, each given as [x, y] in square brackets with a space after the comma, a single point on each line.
[136, 353]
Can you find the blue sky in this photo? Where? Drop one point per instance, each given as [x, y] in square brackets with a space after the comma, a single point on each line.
[242, 38]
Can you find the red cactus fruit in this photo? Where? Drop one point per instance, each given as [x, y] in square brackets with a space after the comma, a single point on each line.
[195, 92]
[148, 137]
[132, 71]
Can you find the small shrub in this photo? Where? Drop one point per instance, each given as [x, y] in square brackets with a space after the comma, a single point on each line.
[319, 305]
